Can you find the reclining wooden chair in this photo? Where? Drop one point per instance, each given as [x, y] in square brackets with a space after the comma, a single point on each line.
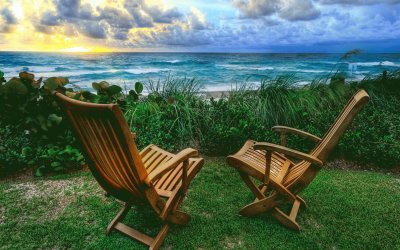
[282, 179]
[153, 177]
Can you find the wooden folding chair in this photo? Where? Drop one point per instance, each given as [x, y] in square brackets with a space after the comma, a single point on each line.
[153, 177]
[281, 178]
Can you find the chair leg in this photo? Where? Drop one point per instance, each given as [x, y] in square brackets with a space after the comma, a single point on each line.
[153, 243]
[253, 188]
[159, 239]
[120, 216]
[288, 221]
[263, 204]
[260, 206]
[285, 220]
[302, 201]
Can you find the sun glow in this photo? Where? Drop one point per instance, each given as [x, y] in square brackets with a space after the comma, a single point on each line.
[80, 49]
[17, 10]
[76, 50]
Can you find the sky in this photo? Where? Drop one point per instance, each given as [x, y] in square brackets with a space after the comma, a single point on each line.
[200, 26]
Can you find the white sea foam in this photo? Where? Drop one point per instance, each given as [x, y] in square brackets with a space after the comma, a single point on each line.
[38, 69]
[233, 66]
[311, 71]
[139, 71]
[173, 61]
[371, 64]
[71, 73]
[33, 69]
[289, 69]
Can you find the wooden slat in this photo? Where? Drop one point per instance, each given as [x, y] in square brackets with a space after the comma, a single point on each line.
[134, 233]
[295, 209]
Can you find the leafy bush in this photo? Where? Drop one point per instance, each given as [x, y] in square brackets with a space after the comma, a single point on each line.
[175, 115]
[35, 132]
[56, 159]
[12, 143]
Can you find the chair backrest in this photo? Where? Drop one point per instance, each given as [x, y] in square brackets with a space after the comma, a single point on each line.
[109, 146]
[302, 173]
[332, 136]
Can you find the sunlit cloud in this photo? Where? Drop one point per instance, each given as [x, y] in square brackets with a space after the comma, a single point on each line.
[223, 25]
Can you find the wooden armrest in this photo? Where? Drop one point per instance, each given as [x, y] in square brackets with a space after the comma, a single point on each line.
[182, 156]
[133, 135]
[287, 151]
[284, 129]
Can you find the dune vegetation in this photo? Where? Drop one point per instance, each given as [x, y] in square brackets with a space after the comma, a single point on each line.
[176, 114]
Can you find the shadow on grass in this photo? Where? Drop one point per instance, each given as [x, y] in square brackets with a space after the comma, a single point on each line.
[347, 209]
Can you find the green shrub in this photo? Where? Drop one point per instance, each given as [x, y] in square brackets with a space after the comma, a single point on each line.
[12, 143]
[169, 115]
[174, 115]
[52, 158]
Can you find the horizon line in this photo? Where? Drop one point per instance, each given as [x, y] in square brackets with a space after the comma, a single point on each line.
[185, 52]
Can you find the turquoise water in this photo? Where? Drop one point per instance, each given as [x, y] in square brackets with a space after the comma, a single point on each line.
[215, 71]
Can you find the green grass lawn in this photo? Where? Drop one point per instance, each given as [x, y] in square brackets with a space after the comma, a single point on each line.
[347, 209]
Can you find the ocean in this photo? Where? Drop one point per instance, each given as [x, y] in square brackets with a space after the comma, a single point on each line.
[215, 71]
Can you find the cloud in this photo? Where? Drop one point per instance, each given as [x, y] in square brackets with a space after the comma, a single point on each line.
[8, 16]
[291, 10]
[256, 8]
[251, 25]
[73, 9]
[140, 16]
[161, 15]
[117, 19]
[7, 21]
[49, 18]
[197, 20]
[359, 2]
[93, 30]
[146, 15]
[294, 10]
[176, 35]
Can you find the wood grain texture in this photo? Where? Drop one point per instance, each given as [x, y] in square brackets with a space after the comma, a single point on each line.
[284, 178]
[153, 177]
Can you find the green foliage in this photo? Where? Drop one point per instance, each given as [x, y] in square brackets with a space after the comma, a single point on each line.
[134, 94]
[175, 118]
[106, 93]
[175, 115]
[12, 143]
[2, 77]
[54, 83]
[28, 108]
[169, 115]
[56, 159]
[36, 133]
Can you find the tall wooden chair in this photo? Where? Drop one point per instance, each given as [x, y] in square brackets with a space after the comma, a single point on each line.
[153, 177]
[281, 178]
